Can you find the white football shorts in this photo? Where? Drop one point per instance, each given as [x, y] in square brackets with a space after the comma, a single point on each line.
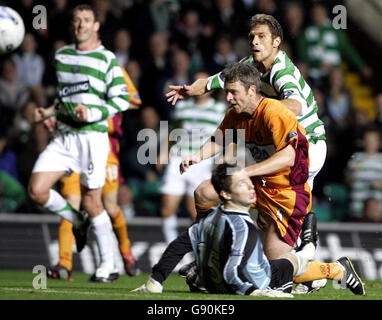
[317, 156]
[176, 184]
[83, 152]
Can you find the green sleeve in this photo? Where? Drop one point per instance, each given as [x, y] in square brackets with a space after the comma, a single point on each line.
[215, 82]
[12, 191]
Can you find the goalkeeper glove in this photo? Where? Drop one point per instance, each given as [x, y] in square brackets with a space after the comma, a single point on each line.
[271, 293]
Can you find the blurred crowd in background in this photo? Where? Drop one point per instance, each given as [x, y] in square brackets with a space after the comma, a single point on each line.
[162, 42]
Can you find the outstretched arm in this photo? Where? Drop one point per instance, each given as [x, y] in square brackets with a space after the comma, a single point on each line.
[208, 150]
[198, 88]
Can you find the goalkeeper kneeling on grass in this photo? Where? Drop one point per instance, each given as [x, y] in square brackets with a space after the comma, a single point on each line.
[229, 251]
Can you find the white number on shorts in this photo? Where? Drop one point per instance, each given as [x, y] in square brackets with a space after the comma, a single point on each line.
[112, 172]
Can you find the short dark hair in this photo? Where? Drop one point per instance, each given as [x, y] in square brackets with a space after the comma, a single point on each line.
[220, 178]
[85, 7]
[270, 21]
[244, 72]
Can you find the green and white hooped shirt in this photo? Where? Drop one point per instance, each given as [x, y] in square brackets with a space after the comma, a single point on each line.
[92, 78]
[283, 81]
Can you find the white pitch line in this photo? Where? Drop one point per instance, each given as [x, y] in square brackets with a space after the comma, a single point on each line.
[80, 292]
[61, 291]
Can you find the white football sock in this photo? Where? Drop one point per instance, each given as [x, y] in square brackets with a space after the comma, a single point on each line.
[103, 232]
[308, 251]
[57, 204]
[302, 262]
[169, 228]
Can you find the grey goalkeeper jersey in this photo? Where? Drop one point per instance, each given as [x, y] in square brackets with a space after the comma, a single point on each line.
[229, 252]
[284, 81]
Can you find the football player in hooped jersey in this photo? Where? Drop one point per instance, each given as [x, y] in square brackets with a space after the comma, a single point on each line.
[281, 172]
[281, 80]
[70, 189]
[91, 88]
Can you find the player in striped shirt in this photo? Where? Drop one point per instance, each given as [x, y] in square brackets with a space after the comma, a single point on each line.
[70, 189]
[279, 146]
[280, 79]
[194, 121]
[364, 173]
[91, 88]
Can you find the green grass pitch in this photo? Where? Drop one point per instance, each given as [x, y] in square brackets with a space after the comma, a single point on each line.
[18, 285]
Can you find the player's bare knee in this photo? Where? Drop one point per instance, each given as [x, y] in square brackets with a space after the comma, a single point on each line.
[168, 207]
[169, 204]
[32, 192]
[110, 202]
[37, 194]
[92, 205]
[166, 212]
[272, 253]
[276, 250]
[111, 208]
[204, 195]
